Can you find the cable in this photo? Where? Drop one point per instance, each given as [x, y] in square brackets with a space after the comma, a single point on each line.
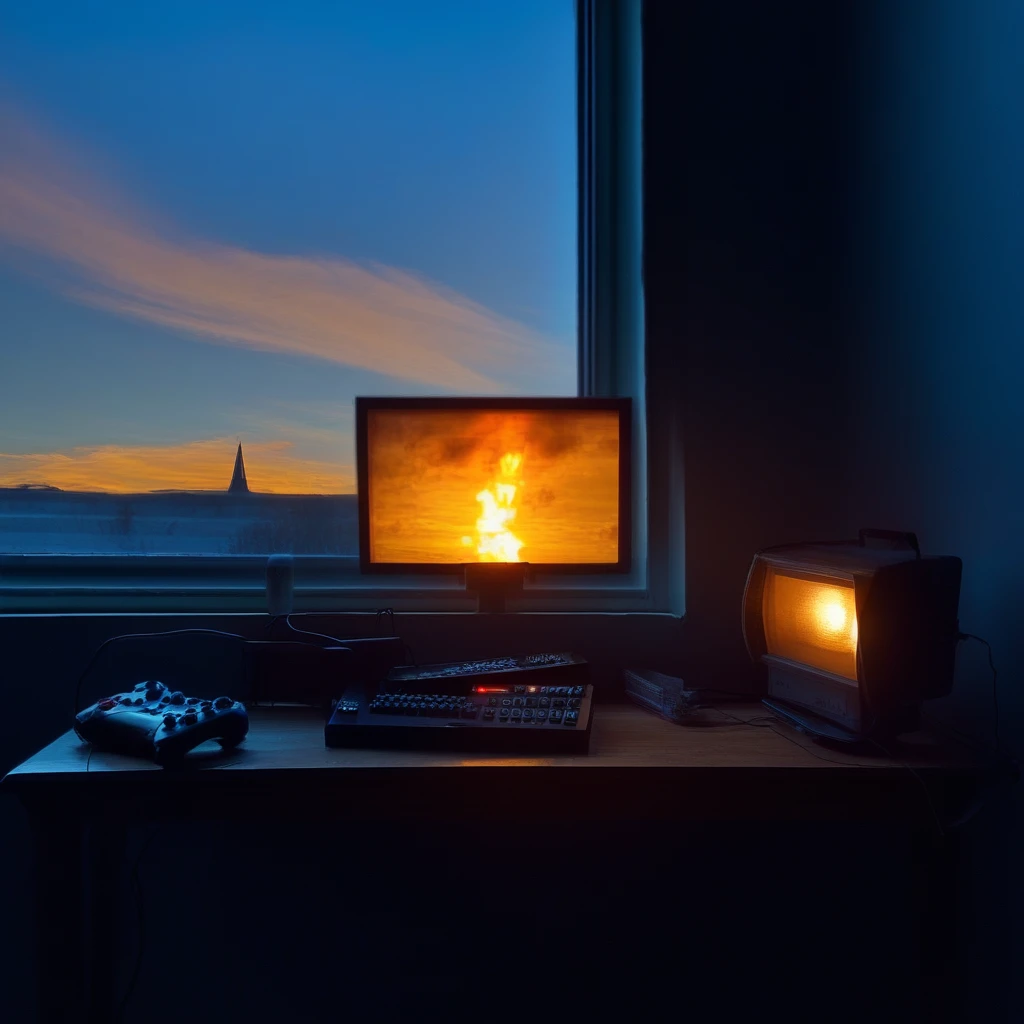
[140, 909]
[383, 613]
[756, 722]
[995, 686]
[306, 632]
[920, 782]
[137, 636]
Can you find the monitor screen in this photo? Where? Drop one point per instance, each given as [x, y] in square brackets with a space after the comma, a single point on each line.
[448, 481]
[811, 620]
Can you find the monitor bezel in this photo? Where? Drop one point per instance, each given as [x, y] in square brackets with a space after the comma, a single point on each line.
[624, 408]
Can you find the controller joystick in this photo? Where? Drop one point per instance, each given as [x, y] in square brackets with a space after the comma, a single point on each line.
[151, 722]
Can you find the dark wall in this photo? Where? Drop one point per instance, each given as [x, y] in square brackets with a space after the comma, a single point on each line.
[747, 228]
[833, 225]
[939, 419]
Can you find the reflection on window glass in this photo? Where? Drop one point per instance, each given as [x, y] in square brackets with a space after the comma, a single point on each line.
[220, 222]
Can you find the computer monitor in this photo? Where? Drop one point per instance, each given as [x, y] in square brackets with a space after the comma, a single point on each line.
[445, 483]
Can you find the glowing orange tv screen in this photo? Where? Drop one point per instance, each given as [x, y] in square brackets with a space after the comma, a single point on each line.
[450, 481]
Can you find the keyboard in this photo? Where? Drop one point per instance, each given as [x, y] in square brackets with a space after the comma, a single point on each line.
[513, 708]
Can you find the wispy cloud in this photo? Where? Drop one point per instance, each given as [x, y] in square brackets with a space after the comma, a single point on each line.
[103, 251]
[271, 466]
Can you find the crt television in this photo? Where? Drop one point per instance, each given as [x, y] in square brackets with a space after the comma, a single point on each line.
[853, 634]
[448, 483]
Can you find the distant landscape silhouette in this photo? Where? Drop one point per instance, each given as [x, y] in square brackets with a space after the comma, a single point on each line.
[43, 519]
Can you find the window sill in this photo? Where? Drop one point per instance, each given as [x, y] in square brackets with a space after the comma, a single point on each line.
[47, 584]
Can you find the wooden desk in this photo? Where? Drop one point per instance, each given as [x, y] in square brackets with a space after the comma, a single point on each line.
[639, 768]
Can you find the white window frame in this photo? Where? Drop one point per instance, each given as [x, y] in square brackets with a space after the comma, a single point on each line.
[613, 361]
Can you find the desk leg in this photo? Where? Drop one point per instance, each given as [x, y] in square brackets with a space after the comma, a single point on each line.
[105, 880]
[937, 895]
[57, 841]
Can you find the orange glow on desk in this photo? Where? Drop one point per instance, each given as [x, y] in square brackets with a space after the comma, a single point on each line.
[813, 622]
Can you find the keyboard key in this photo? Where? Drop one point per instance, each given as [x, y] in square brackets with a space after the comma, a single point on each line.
[571, 717]
[545, 702]
[555, 716]
[516, 714]
[528, 715]
[504, 713]
[541, 715]
[531, 702]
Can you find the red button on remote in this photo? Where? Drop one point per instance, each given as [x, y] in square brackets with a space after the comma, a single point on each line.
[106, 705]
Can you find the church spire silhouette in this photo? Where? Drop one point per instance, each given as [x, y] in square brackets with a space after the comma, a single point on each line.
[238, 485]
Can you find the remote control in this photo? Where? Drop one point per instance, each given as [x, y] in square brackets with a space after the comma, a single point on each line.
[527, 668]
[161, 724]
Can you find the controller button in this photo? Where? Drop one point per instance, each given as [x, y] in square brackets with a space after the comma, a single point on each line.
[177, 697]
[106, 705]
[188, 718]
[154, 692]
[170, 721]
[192, 700]
[223, 702]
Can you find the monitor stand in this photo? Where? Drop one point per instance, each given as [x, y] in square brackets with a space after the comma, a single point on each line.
[494, 583]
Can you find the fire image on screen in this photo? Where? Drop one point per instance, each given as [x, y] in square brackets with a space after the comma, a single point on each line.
[454, 486]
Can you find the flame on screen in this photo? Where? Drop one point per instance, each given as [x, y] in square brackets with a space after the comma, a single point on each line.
[494, 541]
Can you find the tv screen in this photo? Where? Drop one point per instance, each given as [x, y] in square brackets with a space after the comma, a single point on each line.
[449, 481]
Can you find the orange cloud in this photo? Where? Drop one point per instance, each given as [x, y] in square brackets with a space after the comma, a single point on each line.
[361, 315]
[271, 467]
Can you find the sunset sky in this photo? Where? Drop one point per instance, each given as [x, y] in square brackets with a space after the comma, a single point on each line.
[222, 221]
[427, 469]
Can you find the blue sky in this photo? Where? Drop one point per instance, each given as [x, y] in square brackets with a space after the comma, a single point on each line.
[224, 220]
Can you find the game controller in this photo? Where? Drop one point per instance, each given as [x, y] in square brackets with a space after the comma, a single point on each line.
[161, 724]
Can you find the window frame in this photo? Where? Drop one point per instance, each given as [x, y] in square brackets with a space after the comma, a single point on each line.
[612, 362]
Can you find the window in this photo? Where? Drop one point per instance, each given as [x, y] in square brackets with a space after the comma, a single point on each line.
[218, 224]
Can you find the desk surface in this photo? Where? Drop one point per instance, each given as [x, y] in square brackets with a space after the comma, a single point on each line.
[286, 737]
[722, 767]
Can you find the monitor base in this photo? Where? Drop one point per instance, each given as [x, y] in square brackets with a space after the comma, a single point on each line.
[814, 725]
